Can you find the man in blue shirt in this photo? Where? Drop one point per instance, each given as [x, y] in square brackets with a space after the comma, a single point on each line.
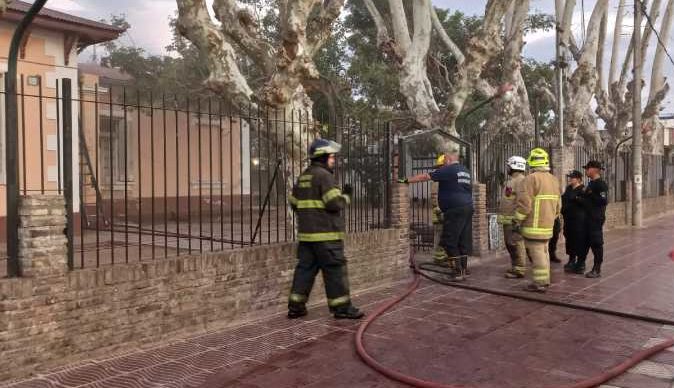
[455, 198]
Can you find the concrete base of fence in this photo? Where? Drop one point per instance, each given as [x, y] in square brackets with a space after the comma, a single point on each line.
[52, 316]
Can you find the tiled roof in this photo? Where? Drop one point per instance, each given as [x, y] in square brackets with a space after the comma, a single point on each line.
[22, 6]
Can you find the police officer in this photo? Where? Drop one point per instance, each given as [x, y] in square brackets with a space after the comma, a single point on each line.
[575, 231]
[552, 244]
[318, 203]
[594, 199]
[513, 241]
[455, 197]
[538, 204]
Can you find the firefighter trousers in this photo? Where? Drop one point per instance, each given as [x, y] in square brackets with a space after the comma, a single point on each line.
[457, 233]
[327, 257]
[515, 245]
[540, 257]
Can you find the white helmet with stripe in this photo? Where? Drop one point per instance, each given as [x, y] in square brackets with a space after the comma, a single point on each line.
[517, 163]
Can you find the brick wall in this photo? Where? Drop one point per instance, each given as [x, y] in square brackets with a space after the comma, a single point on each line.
[53, 316]
[619, 214]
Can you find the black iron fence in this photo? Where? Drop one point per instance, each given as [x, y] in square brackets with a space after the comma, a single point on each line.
[156, 176]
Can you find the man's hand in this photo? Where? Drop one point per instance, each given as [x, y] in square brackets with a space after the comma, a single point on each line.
[404, 181]
[516, 226]
[347, 189]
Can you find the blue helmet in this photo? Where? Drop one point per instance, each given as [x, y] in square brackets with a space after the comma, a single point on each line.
[320, 147]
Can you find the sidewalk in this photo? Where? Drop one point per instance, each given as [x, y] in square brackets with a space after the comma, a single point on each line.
[439, 333]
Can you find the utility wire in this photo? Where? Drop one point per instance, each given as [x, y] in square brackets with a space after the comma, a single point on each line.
[652, 27]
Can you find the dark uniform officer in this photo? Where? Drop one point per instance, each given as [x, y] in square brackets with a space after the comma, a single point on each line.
[552, 244]
[594, 199]
[455, 198]
[318, 203]
[575, 230]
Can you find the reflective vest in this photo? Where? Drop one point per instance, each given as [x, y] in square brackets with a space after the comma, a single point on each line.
[538, 205]
[508, 204]
[318, 203]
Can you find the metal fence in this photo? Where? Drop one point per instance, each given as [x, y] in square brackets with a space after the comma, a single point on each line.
[491, 163]
[658, 173]
[156, 176]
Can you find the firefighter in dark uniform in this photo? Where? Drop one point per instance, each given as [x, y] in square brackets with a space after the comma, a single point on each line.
[575, 231]
[318, 202]
[594, 199]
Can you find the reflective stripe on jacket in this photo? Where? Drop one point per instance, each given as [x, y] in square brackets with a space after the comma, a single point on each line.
[318, 203]
[508, 205]
[538, 205]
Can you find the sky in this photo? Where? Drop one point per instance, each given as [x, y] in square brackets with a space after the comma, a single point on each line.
[150, 29]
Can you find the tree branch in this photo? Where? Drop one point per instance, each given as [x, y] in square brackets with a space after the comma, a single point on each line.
[240, 28]
[194, 23]
[615, 50]
[400, 31]
[451, 46]
[320, 28]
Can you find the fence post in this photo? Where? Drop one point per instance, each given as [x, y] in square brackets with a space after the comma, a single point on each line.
[389, 174]
[68, 164]
[12, 141]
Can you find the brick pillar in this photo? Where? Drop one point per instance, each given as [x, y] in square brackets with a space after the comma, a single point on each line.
[400, 206]
[563, 160]
[42, 243]
[480, 225]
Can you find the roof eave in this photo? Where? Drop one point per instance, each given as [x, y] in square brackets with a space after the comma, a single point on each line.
[88, 35]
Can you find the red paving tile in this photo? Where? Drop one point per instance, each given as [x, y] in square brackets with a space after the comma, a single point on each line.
[440, 333]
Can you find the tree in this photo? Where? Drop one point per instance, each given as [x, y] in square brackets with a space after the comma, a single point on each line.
[613, 97]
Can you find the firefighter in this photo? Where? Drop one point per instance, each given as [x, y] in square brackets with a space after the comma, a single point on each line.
[455, 198]
[513, 241]
[574, 218]
[594, 199]
[318, 203]
[537, 206]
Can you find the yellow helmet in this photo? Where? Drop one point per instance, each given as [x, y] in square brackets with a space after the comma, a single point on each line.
[440, 160]
[538, 158]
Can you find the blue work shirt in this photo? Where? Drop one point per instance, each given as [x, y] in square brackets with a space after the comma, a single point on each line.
[454, 186]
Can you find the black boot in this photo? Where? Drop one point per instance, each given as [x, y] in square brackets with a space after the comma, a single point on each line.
[578, 268]
[348, 312]
[294, 314]
[296, 310]
[568, 267]
[595, 273]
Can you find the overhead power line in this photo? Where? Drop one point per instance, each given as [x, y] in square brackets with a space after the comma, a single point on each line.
[652, 27]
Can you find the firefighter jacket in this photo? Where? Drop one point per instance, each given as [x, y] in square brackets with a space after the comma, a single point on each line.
[537, 205]
[318, 203]
[507, 209]
[572, 210]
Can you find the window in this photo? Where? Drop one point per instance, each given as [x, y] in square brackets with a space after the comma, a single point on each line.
[112, 147]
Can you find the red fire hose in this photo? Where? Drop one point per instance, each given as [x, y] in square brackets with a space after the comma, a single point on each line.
[416, 382]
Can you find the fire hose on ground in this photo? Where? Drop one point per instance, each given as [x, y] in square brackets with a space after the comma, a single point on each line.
[417, 382]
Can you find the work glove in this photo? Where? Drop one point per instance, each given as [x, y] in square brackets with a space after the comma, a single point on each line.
[404, 181]
[516, 226]
[347, 189]
[437, 215]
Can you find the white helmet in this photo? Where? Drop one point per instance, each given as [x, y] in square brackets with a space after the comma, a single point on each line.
[517, 163]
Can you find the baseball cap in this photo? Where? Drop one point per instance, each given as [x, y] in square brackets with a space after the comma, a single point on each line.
[575, 174]
[593, 164]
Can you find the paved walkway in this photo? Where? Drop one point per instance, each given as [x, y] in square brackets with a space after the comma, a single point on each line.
[439, 333]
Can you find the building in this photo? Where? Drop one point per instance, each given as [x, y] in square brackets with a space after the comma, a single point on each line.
[48, 53]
